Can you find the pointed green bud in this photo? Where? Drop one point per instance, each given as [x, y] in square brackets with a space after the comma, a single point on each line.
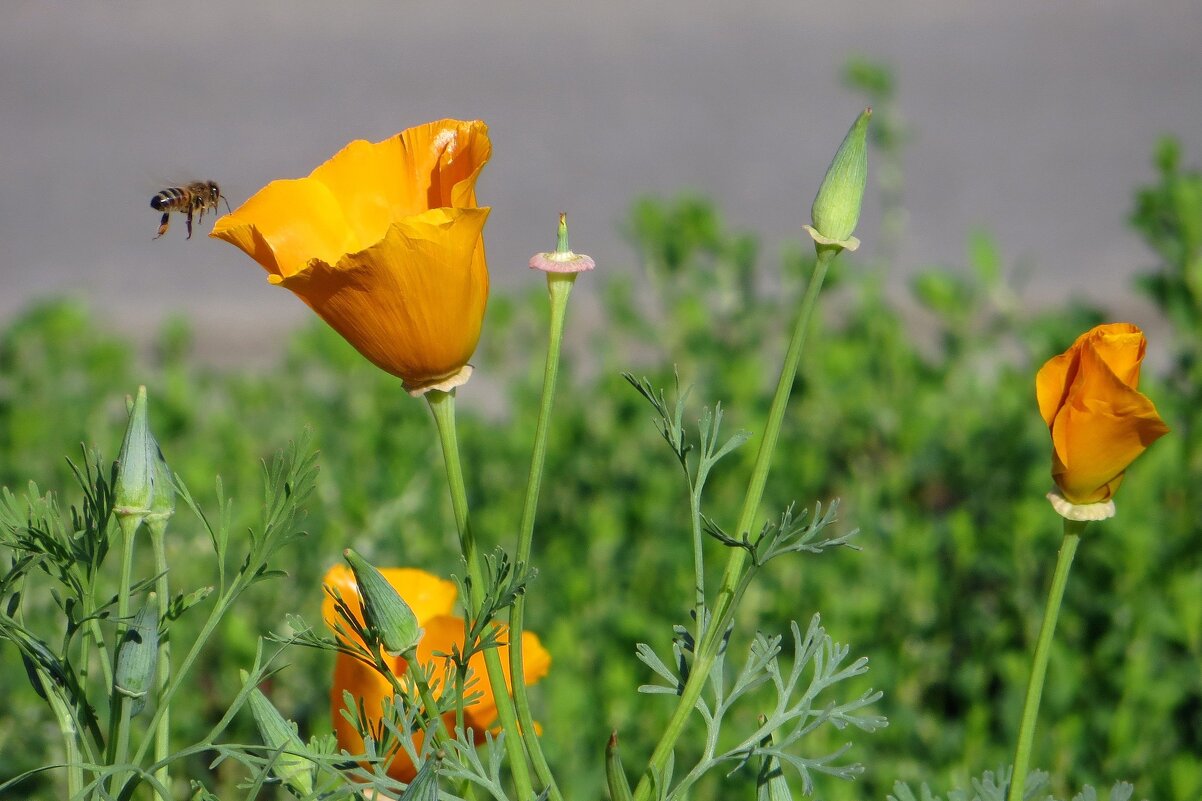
[770, 784]
[138, 654]
[384, 610]
[133, 492]
[615, 774]
[836, 208]
[163, 505]
[280, 733]
[424, 786]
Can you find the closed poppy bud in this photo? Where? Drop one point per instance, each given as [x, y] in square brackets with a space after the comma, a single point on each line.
[163, 505]
[836, 209]
[770, 784]
[133, 491]
[384, 242]
[278, 732]
[137, 655]
[424, 786]
[1098, 419]
[384, 610]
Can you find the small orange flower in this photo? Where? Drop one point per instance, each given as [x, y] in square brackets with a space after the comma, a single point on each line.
[432, 600]
[1098, 419]
[384, 242]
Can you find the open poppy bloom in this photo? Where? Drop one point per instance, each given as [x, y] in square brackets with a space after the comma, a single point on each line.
[432, 600]
[1099, 420]
[384, 241]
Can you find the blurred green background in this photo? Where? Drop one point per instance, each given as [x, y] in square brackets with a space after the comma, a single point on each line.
[916, 409]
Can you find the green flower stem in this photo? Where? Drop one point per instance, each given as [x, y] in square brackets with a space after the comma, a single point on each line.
[96, 637]
[724, 605]
[559, 287]
[66, 725]
[442, 405]
[162, 733]
[698, 558]
[1039, 664]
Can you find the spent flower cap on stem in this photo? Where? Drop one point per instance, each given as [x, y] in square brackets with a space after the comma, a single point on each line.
[836, 209]
[562, 260]
[133, 491]
[384, 610]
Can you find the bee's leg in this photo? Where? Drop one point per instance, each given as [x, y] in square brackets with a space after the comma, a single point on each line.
[189, 223]
[163, 223]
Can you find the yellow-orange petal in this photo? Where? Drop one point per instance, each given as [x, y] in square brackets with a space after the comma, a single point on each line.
[412, 304]
[425, 167]
[1120, 346]
[427, 595]
[288, 223]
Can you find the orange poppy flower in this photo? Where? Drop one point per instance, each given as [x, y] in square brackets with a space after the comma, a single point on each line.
[384, 242]
[432, 600]
[1098, 419]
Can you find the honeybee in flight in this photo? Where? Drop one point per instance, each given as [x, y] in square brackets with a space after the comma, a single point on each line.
[194, 198]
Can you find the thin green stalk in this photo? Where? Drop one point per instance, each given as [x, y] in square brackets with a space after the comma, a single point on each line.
[162, 732]
[1039, 664]
[442, 405]
[559, 287]
[66, 725]
[724, 604]
[698, 560]
[96, 637]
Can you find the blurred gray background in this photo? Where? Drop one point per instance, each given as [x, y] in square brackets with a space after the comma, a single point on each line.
[1032, 120]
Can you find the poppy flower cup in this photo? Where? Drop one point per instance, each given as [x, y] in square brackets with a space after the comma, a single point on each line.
[384, 241]
[1099, 420]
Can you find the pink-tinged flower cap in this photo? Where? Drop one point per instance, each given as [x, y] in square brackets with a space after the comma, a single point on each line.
[562, 260]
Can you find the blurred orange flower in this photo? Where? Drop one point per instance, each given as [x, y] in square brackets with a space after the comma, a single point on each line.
[1098, 419]
[384, 242]
[432, 600]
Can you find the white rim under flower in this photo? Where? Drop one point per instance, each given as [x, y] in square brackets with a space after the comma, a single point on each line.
[1081, 512]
